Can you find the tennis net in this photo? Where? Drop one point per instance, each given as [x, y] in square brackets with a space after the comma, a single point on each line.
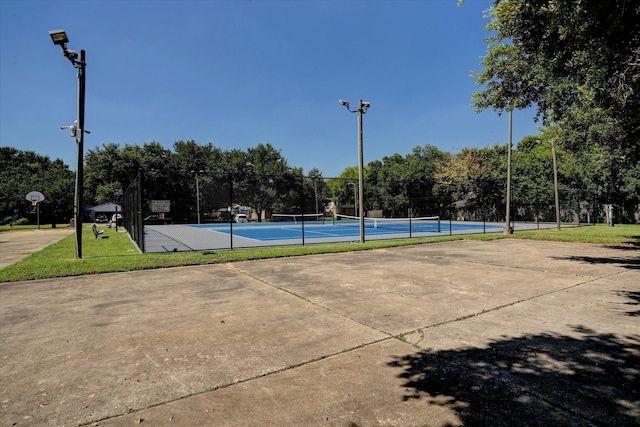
[296, 218]
[429, 224]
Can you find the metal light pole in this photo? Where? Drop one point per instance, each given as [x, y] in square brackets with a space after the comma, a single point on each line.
[315, 189]
[555, 182]
[362, 109]
[59, 37]
[198, 194]
[355, 197]
[507, 226]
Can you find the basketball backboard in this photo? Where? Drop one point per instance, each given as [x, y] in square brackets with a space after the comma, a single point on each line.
[35, 197]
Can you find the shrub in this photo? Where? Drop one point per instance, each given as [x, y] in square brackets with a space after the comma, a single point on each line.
[21, 221]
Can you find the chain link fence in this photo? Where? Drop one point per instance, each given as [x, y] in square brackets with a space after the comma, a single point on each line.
[171, 211]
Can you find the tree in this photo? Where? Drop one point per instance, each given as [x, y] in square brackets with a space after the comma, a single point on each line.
[559, 54]
[578, 63]
[344, 187]
[470, 177]
[25, 171]
[316, 191]
[267, 179]
[399, 183]
[109, 170]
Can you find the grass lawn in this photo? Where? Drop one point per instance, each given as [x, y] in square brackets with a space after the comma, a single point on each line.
[7, 227]
[117, 253]
[601, 233]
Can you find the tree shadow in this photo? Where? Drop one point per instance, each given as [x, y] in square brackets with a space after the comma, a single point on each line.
[630, 263]
[635, 301]
[634, 245]
[535, 380]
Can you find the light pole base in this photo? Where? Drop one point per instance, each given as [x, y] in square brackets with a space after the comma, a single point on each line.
[507, 230]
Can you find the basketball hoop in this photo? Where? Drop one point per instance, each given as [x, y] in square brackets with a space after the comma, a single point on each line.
[35, 197]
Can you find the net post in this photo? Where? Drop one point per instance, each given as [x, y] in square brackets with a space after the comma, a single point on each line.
[439, 224]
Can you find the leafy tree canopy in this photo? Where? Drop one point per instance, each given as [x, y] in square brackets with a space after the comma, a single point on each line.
[562, 54]
[578, 63]
[25, 171]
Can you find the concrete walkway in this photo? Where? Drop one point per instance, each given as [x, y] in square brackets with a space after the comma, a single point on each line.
[471, 333]
[16, 245]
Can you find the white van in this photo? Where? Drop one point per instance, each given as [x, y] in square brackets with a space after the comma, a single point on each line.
[240, 218]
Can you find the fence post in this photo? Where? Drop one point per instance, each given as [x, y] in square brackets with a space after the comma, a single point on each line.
[139, 226]
[230, 216]
[302, 205]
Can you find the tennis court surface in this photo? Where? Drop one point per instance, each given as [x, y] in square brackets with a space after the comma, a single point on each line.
[499, 333]
[201, 237]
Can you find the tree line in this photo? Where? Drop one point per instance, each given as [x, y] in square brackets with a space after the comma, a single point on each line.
[423, 182]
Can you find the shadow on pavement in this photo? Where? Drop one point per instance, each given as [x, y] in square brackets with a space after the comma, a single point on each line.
[535, 380]
[630, 263]
[635, 301]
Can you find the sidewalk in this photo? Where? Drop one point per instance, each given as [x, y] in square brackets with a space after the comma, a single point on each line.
[506, 332]
[16, 245]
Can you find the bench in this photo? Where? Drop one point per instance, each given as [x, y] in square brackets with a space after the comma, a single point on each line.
[96, 232]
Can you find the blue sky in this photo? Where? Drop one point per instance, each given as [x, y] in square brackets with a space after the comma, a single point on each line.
[238, 73]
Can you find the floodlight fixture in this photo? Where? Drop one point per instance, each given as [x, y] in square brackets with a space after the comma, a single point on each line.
[343, 102]
[59, 37]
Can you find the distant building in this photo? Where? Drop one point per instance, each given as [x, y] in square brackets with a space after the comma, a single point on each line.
[107, 210]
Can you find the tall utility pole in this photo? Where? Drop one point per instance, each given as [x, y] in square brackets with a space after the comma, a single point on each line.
[362, 109]
[507, 226]
[80, 141]
[555, 182]
[59, 38]
[198, 194]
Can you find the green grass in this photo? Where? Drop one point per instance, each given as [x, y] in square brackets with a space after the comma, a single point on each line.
[117, 253]
[7, 227]
[601, 234]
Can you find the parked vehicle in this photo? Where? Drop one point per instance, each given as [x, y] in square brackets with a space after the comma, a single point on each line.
[155, 219]
[240, 218]
[116, 219]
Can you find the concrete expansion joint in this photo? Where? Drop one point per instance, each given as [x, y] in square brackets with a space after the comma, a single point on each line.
[307, 300]
[236, 381]
[405, 335]
[492, 264]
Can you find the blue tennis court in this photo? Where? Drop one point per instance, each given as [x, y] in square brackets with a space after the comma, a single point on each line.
[204, 237]
[269, 231]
